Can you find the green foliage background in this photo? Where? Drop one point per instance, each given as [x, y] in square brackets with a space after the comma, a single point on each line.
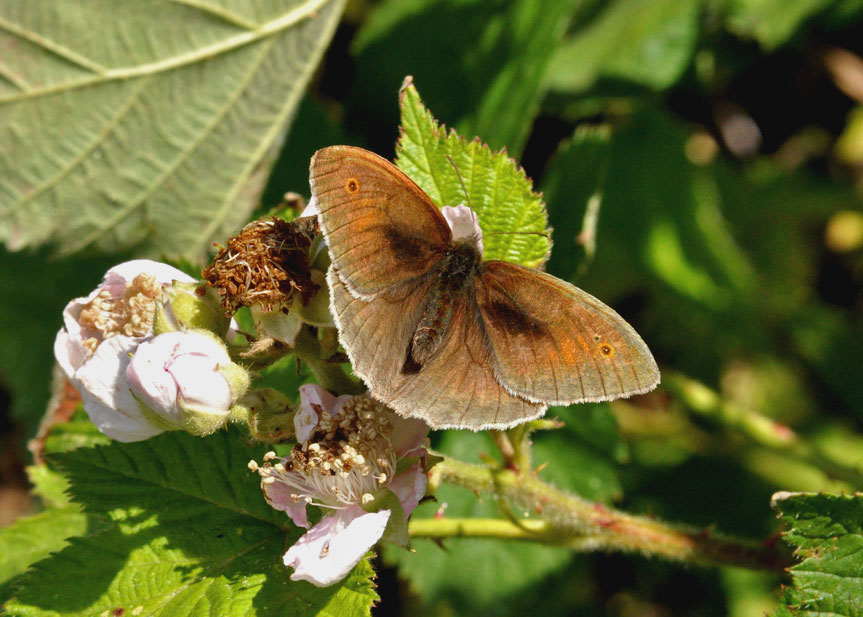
[701, 164]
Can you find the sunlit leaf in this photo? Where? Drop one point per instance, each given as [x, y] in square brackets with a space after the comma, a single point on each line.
[190, 534]
[827, 533]
[497, 189]
[647, 43]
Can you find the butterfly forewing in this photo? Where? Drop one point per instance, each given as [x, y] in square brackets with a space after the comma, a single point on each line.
[556, 344]
[382, 230]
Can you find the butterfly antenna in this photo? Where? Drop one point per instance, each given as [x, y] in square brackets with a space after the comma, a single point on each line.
[544, 234]
[458, 173]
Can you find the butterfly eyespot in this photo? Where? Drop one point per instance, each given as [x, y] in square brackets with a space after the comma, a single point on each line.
[597, 338]
[352, 186]
[606, 350]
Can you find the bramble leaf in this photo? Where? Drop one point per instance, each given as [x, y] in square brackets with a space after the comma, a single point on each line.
[497, 189]
[827, 533]
[189, 533]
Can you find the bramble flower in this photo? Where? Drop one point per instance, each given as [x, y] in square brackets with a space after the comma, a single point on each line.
[185, 380]
[100, 331]
[352, 452]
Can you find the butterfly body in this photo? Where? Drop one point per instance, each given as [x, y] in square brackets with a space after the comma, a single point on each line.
[438, 333]
[454, 278]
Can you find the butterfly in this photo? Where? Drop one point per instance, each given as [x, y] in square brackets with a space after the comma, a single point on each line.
[439, 334]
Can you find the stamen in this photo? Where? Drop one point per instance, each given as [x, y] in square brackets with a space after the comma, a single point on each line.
[130, 313]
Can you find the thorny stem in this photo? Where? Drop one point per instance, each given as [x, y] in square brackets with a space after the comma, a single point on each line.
[701, 400]
[329, 374]
[570, 521]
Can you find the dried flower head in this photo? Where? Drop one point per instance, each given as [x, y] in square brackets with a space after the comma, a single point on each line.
[265, 265]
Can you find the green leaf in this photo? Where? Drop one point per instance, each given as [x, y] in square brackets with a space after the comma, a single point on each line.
[645, 42]
[32, 538]
[487, 75]
[190, 534]
[531, 31]
[474, 572]
[79, 432]
[574, 186]
[497, 189]
[827, 533]
[146, 125]
[771, 22]
[49, 485]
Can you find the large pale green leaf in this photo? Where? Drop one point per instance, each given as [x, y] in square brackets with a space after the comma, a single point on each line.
[827, 533]
[647, 42]
[189, 534]
[146, 124]
[497, 189]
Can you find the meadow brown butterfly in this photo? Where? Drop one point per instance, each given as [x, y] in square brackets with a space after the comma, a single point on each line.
[439, 334]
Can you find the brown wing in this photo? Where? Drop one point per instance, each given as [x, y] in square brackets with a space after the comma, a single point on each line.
[456, 388]
[555, 344]
[376, 333]
[381, 228]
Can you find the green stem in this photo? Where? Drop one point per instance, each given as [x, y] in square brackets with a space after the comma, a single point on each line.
[569, 520]
[329, 374]
[760, 429]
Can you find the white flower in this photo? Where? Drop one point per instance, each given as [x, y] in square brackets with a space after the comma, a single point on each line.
[100, 332]
[348, 451]
[187, 380]
[464, 224]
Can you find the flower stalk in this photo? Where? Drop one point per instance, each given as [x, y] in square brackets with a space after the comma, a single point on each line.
[579, 524]
[330, 375]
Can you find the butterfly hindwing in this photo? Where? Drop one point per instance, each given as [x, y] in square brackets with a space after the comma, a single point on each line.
[457, 387]
[556, 344]
[376, 333]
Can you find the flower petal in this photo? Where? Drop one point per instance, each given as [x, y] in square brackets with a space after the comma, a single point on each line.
[327, 552]
[105, 392]
[410, 486]
[128, 270]
[408, 434]
[464, 223]
[69, 354]
[278, 495]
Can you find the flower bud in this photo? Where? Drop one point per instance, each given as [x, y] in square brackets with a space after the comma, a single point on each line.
[185, 380]
[190, 306]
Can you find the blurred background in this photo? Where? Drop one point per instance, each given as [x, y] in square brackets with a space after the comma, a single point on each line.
[702, 165]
